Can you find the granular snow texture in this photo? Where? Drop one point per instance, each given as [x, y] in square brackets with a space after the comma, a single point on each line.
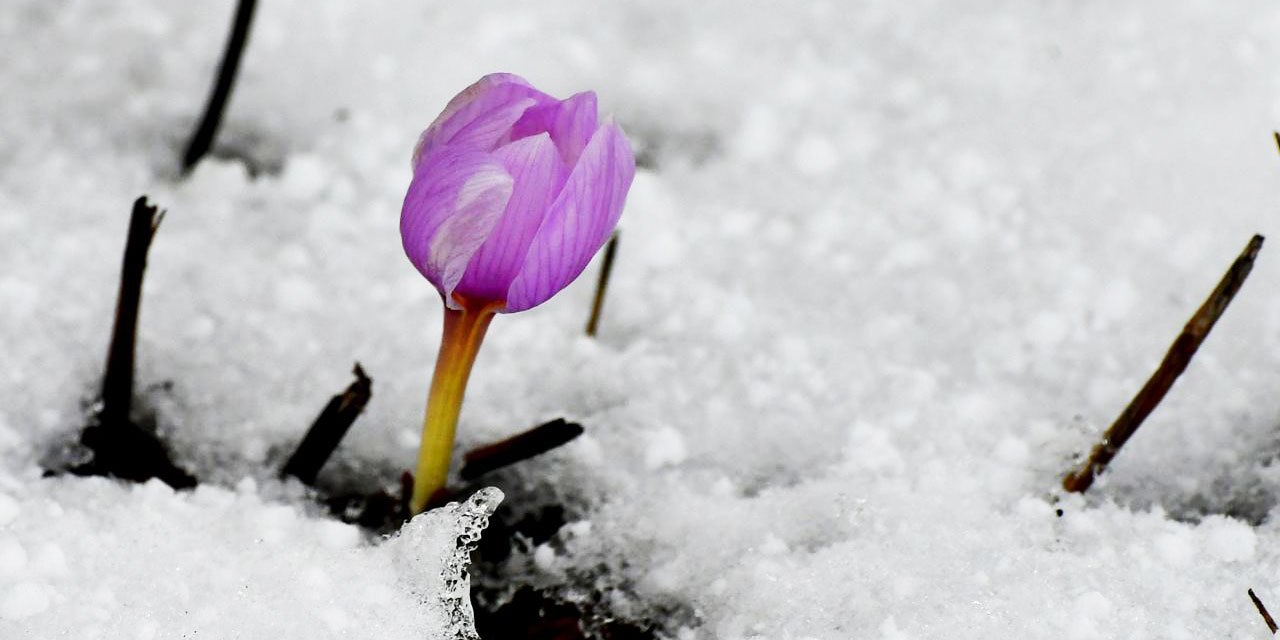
[887, 269]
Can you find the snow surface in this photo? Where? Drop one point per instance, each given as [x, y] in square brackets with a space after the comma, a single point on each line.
[95, 559]
[887, 267]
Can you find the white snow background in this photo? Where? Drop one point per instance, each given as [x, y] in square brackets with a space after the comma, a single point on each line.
[886, 269]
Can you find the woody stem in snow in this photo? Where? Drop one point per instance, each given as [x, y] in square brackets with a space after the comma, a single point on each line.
[1262, 611]
[1174, 363]
[120, 447]
[202, 139]
[328, 429]
[117, 382]
[522, 446]
[602, 285]
[463, 332]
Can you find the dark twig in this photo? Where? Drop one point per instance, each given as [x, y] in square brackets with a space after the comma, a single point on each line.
[1174, 363]
[1262, 609]
[202, 139]
[522, 446]
[121, 448]
[329, 428]
[385, 511]
[606, 268]
[117, 381]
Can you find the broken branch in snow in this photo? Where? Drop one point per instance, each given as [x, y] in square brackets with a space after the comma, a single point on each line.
[521, 446]
[117, 381]
[606, 269]
[120, 447]
[1262, 609]
[329, 428]
[1174, 363]
[202, 139]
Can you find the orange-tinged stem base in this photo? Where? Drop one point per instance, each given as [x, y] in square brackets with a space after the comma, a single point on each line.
[463, 332]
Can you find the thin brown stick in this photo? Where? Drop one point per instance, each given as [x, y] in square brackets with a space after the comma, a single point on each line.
[121, 448]
[521, 446]
[606, 268]
[1174, 363]
[329, 428]
[504, 453]
[117, 380]
[202, 138]
[1262, 609]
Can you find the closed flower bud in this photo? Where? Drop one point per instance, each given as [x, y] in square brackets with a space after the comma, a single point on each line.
[513, 192]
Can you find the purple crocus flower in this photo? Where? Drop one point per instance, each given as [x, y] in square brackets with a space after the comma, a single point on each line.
[513, 191]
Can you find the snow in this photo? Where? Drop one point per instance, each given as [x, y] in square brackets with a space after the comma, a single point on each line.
[886, 269]
[131, 561]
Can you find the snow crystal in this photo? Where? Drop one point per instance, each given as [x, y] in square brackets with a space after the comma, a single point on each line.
[1176, 548]
[1229, 540]
[759, 137]
[13, 558]
[816, 156]
[49, 560]
[666, 447]
[1091, 616]
[24, 599]
[544, 557]
[8, 509]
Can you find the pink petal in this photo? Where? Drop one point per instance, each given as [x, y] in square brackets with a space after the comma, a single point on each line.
[481, 114]
[539, 174]
[570, 123]
[455, 200]
[488, 129]
[579, 221]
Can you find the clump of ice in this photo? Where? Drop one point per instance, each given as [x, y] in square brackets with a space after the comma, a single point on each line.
[441, 581]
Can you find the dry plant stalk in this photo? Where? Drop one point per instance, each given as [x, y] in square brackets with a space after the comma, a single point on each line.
[202, 139]
[117, 381]
[1174, 363]
[602, 285]
[328, 429]
[1266, 617]
[121, 448]
[522, 446]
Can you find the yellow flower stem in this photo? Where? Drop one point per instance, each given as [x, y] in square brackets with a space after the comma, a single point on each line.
[463, 331]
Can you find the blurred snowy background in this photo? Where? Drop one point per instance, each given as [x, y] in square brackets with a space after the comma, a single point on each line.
[887, 268]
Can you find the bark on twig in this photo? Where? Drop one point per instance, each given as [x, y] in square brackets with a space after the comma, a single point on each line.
[1174, 363]
[329, 428]
[202, 138]
[120, 447]
[522, 446]
[602, 285]
[1262, 609]
[117, 380]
